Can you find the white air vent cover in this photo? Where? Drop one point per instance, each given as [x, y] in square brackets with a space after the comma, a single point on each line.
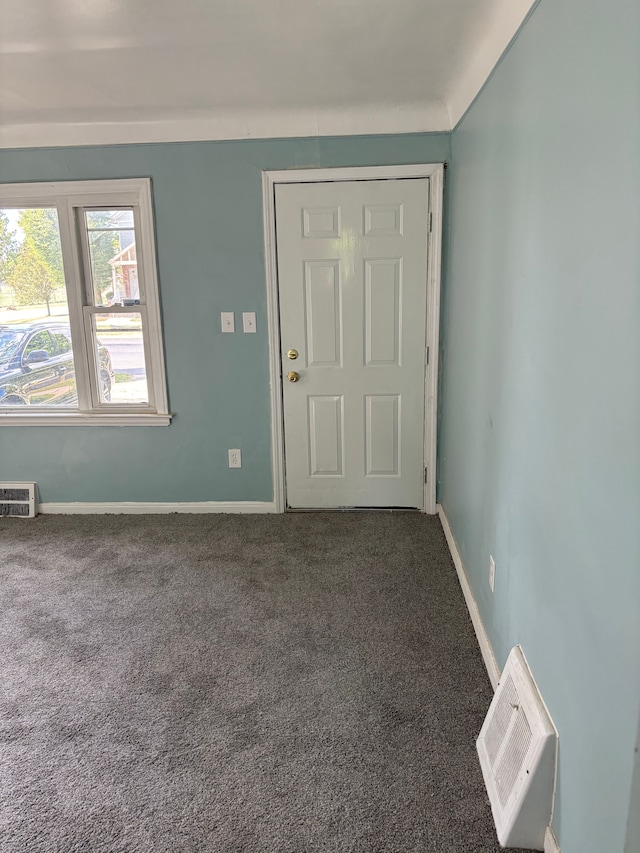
[517, 747]
[18, 499]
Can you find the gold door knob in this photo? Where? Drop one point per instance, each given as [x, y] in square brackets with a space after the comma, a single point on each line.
[293, 353]
[293, 376]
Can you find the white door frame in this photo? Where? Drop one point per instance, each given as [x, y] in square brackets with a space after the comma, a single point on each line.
[433, 171]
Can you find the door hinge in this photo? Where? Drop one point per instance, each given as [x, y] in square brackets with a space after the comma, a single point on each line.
[426, 356]
[430, 223]
[426, 474]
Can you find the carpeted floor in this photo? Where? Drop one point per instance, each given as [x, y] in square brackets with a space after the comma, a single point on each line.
[306, 682]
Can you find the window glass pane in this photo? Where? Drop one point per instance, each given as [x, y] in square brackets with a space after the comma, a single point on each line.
[112, 252]
[36, 367]
[121, 218]
[120, 356]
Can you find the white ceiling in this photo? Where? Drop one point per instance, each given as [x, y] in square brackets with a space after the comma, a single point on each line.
[99, 71]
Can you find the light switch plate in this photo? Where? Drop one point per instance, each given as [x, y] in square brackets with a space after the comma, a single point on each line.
[228, 321]
[249, 321]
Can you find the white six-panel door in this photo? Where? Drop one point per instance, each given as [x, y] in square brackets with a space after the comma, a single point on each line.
[352, 279]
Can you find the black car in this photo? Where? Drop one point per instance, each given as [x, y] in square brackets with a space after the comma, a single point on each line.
[36, 366]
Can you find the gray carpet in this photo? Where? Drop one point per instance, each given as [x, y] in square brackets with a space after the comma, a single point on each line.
[306, 682]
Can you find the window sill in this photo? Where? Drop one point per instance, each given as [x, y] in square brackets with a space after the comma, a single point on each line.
[84, 419]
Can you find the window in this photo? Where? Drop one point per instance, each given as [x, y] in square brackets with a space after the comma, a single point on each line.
[80, 335]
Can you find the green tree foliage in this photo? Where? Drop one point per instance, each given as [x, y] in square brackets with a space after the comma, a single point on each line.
[8, 248]
[103, 245]
[36, 270]
[31, 278]
[40, 226]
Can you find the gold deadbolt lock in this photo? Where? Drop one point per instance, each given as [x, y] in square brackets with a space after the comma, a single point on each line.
[293, 353]
[293, 376]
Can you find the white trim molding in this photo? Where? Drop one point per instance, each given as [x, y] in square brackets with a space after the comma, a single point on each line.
[434, 273]
[435, 173]
[550, 843]
[486, 648]
[273, 324]
[79, 419]
[422, 117]
[157, 508]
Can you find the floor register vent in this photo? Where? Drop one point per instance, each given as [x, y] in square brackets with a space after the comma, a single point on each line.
[18, 500]
[517, 747]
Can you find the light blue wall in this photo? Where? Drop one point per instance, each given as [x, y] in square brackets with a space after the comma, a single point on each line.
[208, 208]
[540, 439]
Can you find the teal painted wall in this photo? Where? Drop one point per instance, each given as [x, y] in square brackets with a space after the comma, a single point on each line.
[208, 212]
[540, 439]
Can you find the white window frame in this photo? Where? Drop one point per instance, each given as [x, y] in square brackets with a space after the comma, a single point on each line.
[71, 199]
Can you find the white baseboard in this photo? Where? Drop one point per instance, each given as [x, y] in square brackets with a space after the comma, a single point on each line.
[483, 640]
[550, 843]
[154, 508]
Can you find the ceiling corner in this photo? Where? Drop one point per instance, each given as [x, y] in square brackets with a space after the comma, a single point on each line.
[506, 20]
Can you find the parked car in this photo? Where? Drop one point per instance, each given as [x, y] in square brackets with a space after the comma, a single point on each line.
[37, 369]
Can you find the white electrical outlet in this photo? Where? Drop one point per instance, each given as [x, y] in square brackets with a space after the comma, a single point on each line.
[492, 573]
[248, 322]
[227, 321]
[235, 458]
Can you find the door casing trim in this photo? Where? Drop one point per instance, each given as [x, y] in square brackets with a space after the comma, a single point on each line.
[435, 173]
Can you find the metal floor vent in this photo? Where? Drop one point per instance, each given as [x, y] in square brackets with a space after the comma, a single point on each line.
[18, 500]
[517, 747]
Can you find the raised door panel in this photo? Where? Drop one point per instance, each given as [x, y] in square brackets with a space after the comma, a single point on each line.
[326, 436]
[320, 222]
[383, 294]
[323, 313]
[382, 432]
[382, 220]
